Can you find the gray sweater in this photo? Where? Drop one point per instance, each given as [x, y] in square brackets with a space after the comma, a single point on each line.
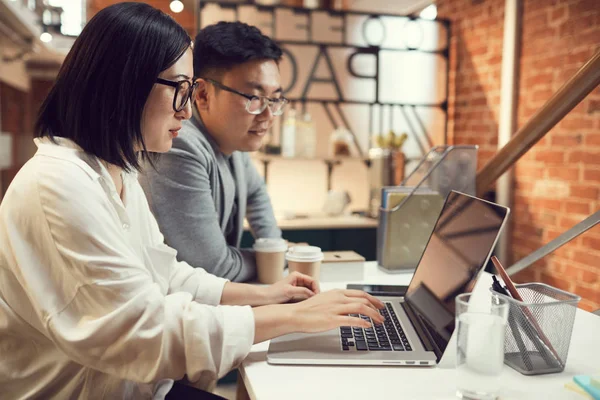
[192, 195]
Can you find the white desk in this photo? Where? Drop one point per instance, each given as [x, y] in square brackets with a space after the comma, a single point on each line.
[276, 382]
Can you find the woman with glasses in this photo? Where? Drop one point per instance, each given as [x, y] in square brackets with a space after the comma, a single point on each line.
[92, 303]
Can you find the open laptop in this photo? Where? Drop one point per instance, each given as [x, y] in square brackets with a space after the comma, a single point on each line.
[419, 325]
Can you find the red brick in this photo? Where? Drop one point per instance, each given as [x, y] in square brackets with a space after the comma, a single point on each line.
[589, 293]
[478, 50]
[525, 276]
[566, 140]
[575, 125]
[588, 36]
[586, 157]
[547, 62]
[566, 173]
[572, 274]
[550, 62]
[549, 204]
[533, 19]
[587, 257]
[556, 281]
[582, 7]
[567, 222]
[546, 218]
[592, 243]
[555, 157]
[594, 106]
[563, 251]
[558, 14]
[589, 276]
[530, 244]
[591, 175]
[585, 192]
[528, 230]
[577, 207]
[592, 139]
[531, 172]
[568, 28]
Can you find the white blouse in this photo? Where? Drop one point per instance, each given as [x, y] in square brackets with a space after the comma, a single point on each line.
[92, 303]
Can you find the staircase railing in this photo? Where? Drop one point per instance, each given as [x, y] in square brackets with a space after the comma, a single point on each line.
[559, 105]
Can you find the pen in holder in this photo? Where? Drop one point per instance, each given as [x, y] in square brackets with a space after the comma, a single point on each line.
[538, 333]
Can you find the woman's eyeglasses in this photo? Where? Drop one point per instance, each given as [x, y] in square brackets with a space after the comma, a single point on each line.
[255, 104]
[184, 91]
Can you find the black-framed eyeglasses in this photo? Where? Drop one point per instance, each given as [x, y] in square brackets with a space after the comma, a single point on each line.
[184, 91]
[255, 104]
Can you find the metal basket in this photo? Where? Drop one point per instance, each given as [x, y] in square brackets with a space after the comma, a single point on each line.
[538, 332]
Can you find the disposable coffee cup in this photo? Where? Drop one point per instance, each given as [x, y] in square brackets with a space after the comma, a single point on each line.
[270, 259]
[305, 259]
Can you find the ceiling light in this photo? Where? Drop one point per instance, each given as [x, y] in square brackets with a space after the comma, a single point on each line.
[176, 6]
[429, 12]
[46, 37]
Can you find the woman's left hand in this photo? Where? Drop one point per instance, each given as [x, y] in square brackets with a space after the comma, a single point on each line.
[294, 287]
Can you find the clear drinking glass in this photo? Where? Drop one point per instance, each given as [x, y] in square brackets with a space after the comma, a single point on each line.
[480, 325]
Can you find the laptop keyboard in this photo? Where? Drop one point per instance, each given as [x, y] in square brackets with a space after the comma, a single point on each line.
[388, 336]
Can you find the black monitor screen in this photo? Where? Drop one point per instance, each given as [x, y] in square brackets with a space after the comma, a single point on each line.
[460, 245]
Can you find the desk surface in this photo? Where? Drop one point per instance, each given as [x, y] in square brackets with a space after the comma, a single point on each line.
[266, 382]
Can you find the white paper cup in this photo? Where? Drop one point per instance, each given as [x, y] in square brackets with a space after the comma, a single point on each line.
[270, 259]
[305, 259]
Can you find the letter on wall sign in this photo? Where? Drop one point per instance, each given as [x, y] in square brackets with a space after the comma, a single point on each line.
[291, 25]
[331, 79]
[252, 15]
[327, 28]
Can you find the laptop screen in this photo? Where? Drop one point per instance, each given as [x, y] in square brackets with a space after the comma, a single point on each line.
[460, 245]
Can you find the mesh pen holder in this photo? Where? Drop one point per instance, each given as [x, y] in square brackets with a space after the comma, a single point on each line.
[538, 332]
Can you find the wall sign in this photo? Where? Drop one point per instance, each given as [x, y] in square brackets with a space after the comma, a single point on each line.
[370, 73]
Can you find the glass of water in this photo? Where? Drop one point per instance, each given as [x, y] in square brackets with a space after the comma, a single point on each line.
[480, 325]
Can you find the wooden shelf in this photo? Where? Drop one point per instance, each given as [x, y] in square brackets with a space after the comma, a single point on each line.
[324, 222]
[273, 157]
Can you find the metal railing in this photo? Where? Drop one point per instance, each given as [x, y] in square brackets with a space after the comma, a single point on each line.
[555, 109]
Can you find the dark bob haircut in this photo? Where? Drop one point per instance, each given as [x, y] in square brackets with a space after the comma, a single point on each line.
[221, 46]
[102, 87]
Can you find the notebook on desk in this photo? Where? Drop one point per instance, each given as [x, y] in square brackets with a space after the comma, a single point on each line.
[419, 325]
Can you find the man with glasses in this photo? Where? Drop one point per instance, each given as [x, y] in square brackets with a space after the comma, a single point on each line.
[204, 187]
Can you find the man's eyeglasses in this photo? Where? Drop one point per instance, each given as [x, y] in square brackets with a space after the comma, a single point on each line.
[255, 104]
[184, 91]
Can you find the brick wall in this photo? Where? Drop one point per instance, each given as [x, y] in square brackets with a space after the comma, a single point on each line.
[474, 79]
[557, 183]
[186, 18]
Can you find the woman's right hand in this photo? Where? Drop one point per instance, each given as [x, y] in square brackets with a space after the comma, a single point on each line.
[322, 312]
[331, 309]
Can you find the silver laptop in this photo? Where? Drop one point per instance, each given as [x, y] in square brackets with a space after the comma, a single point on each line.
[419, 325]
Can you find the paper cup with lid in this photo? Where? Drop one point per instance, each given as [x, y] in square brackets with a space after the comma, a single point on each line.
[305, 259]
[270, 259]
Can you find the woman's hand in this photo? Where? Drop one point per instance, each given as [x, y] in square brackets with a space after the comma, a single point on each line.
[319, 313]
[294, 287]
[331, 310]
